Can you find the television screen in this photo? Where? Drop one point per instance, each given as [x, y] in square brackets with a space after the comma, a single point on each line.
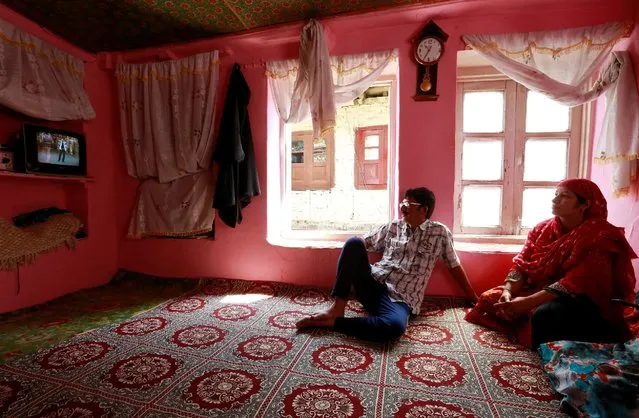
[52, 151]
[60, 149]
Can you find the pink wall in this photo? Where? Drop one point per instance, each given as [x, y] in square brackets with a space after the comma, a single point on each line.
[426, 132]
[426, 151]
[95, 260]
[624, 211]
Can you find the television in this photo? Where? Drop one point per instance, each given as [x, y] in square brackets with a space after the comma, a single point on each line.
[42, 150]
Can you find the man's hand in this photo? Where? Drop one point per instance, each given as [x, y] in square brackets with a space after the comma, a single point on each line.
[460, 277]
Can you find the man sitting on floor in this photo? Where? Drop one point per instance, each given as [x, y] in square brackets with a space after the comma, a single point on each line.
[393, 288]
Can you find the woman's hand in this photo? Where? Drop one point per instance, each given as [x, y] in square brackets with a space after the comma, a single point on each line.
[506, 296]
[514, 308]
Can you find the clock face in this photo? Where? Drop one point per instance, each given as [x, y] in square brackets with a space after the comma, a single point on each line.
[429, 51]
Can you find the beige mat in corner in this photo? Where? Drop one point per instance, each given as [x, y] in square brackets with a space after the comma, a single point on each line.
[22, 245]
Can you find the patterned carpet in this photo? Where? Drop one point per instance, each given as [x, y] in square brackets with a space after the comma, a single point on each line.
[30, 329]
[231, 349]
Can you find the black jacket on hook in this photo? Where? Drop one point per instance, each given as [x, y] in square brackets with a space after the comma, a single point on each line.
[237, 180]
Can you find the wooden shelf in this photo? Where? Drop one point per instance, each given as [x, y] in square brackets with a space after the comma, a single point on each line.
[74, 179]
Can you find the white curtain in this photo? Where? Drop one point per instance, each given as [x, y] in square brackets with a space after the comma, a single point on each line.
[352, 75]
[167, 112]
[559, 64]
[312, 89]
[618, 142]
[39, 80]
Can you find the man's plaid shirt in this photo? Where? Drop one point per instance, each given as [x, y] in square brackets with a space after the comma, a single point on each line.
[409, 257]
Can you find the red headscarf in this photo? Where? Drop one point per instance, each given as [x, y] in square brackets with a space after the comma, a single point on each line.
[589, 191]
[549, 252]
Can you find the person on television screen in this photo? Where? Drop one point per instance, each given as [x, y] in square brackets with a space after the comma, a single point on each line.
[392, 289]
[62, 149]
[47, 144]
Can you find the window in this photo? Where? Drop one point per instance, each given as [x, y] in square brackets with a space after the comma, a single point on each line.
[513, 147]
[312, 161]
[371, 155]
[317, 194]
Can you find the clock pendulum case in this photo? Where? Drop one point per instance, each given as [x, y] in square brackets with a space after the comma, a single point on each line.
[428, 48]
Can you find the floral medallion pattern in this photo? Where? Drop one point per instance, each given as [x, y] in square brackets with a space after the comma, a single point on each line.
[428, 334]
[496, 340]
[432, 309]
[286, 319]
[433, 408]
[198, 336]
[355, 306]
[322, 401]
[74, 409]
[264, 347]
[9, 391]
[186, 305]
[524, 379]
[142, 326]
[223, 389]
[74, 355]
[142, 370]
[217, 288]
[342, 358]
[247, 359]
[431, 370]
[262, 289]
[234, 313]
[309, 298]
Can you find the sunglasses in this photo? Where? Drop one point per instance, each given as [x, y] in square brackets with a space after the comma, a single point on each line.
[407, 203]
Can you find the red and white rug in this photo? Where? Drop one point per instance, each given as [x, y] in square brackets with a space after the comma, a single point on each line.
[231, 349]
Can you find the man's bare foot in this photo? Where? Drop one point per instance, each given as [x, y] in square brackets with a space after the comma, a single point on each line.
[323, 320]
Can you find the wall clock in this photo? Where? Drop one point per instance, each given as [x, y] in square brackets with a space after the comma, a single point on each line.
[428, 48]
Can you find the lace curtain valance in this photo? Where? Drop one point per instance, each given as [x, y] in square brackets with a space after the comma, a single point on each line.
[39, 80]
[562, 64]
[351, 76]
[559, 64]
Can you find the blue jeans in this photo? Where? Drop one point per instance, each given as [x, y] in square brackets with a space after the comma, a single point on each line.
[387, 320]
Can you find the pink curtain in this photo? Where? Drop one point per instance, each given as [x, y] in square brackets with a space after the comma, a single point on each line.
[167, 112]
[39, 80]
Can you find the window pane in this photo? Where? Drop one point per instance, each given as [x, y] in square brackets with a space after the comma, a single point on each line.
[545, 159]
[298, 146]
[319, 150]
[371, 141]
[319, 156]
[482, 160]
[297, 152]
[371, 154]
[481, 206]
[484, 111]
[537, 205]
[545, 115]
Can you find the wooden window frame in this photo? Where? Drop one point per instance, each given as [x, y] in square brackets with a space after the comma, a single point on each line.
[514, 139]
[360, 148]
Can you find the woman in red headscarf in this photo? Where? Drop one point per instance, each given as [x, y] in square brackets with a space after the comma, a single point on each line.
[563, 279]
